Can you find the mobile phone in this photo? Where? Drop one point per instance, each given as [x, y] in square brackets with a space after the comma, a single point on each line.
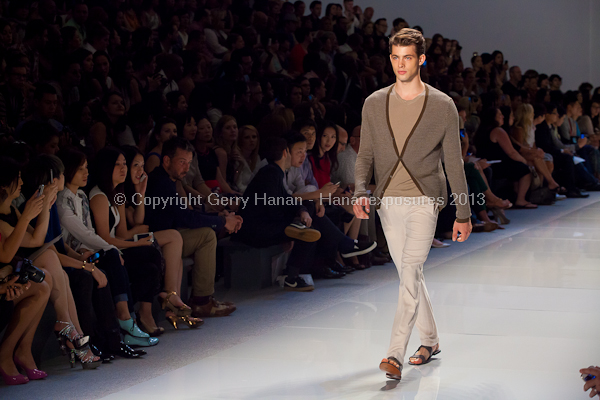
[587, 377]
[462, 133]
[425, 63]
[310, 97]
[51, 176]
[338, 183]
[143, 177]
[95, 257]
[40, 190]
[142, 236]
[582, 135]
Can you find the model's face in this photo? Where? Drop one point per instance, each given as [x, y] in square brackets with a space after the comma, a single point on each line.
[249, 140]
[310, 134]
[167, 131]
[328, 139]
[190, 130]
[405, 62]
[205, 130]
[80, 178]
[298, 154]
[230, 131]
[136, 169]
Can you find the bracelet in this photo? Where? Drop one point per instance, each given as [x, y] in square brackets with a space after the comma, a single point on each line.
[83, 266]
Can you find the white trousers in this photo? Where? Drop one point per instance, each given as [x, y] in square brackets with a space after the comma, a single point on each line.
[409, 225]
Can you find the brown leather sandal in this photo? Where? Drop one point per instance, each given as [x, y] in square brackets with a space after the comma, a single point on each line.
[392, 367]
[421, 358]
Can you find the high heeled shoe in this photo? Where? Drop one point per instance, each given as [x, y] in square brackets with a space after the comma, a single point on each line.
[83, 356]
[499, 215]
[32, 374]
[13, 379]
[81, 348]
[188, 320]
[157, 331]
[183, 311]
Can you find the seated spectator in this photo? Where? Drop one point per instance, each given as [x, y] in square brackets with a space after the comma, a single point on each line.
[308, 128]
[208, 162]
[90, 288]
[41, 137]
[145, 77]
[111, 126]
[177, 104]
[523, 138]
[169, 240]
[227, 149]
[545, 138]
[102, 63]
[97, 38]
[79, 234]
[589, 123]
[493, 143]
[20, 239]
[164, 130]
[196, 229]
[12, 101]
[21, 309]
[266, 225]
[248, 143]
[141, 257]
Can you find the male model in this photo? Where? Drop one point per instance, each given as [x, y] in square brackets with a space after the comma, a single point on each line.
[407, 130]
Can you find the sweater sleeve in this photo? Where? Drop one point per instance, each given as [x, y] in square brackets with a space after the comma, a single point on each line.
[363, 168]
[454, 164]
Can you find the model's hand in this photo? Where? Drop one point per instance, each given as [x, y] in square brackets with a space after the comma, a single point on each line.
[464, 228]
[359, 212]
[593, 384]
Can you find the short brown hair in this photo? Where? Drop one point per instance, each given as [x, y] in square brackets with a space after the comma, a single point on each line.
[408, 37]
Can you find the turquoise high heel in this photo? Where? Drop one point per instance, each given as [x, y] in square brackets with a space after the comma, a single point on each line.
[134, 336]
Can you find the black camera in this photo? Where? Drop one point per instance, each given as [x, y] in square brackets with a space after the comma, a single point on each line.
[26, 272]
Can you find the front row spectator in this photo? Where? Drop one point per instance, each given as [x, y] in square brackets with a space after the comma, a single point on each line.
[280, 218]
[197, 229]
[79, 234]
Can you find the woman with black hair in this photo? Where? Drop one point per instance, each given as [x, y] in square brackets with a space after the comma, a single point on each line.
[164, 130]
[22, 240]
[169, 240]
[493, 143]
[111, 127]
[89, 88]
[142, 260]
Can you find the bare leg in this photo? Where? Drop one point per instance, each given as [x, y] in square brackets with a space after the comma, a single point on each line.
[523, 186]
[28, 311]
[541, 167]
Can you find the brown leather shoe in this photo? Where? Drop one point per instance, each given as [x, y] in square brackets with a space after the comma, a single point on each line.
[213, 308]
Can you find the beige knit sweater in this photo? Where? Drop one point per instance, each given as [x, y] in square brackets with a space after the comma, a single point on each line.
[434, 137]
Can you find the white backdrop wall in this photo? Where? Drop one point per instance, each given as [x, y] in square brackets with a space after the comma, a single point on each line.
[550, 36]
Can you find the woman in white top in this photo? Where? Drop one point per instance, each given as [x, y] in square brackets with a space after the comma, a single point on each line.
[249, 163]
[79, 234]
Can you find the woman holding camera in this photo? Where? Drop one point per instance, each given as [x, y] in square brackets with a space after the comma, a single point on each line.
[169, 240]
[78, 233]
[142, 260]
[20, 238]
[89, 284]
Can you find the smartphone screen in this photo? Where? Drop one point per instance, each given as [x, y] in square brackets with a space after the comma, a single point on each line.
[582, 135]
[462, 133]
[94, 257]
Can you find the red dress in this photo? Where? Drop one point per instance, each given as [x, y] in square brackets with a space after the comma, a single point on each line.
[322, 175]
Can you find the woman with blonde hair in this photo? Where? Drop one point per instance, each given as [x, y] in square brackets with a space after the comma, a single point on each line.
[523, 138]
[227, 149]
[248, 142]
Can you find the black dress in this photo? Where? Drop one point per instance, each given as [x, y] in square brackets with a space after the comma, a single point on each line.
[508, 168]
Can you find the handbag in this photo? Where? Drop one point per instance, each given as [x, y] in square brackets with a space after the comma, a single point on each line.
[536, 179]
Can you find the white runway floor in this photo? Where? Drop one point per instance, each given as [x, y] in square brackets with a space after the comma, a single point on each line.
[517, 310]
